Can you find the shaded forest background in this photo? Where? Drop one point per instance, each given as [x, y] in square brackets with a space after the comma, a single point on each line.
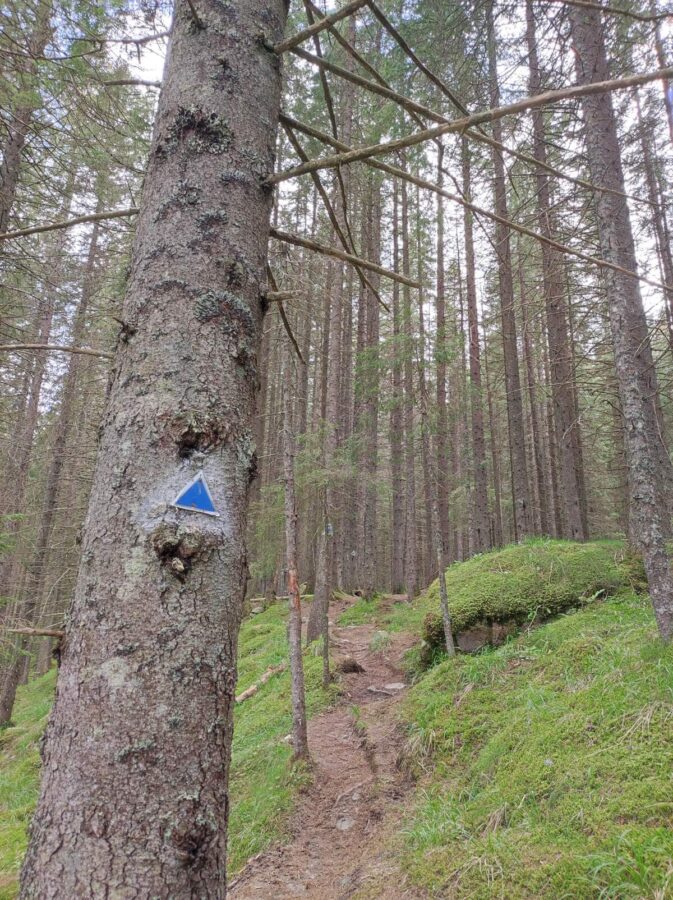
[473, 396]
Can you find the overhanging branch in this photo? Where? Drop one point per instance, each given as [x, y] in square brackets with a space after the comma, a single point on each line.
[298, 241]
[459, 125]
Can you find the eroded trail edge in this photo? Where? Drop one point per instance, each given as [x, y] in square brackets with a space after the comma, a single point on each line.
[337, 847]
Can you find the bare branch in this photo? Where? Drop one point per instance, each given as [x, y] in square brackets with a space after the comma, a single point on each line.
[339, 254]
[195, 16]
[317, 27]
[290, 333]
[390, 28]
[478, 210]
[347, 244]
[281, 296]
[56, 348]
[613, 11]
[37, 632]
[138, 41]
[68, 223]
[252, 690]
[479, 135]
[131, 82]
[283, 315]
[459, 125]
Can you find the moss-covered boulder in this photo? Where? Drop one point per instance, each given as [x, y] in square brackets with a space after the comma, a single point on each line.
[494, 594]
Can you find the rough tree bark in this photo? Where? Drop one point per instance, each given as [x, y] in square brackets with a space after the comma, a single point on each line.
[134, 795]
[632, 351]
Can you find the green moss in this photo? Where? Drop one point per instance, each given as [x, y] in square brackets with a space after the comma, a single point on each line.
[522, 582]
[546, 764]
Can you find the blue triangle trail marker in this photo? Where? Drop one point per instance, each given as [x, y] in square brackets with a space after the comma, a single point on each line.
[196, 497]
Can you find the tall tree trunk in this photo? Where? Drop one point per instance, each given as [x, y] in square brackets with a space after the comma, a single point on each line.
[299, 732]
[21, 117]
[658, 210]
[498, 534]
[560, 352]
[319, 613]
[411, 549]
[482, 536]
[517, 443]
[32, 600]
[441, 355]
[666, 84]
[367, 399]
[633, 356]
[134, 794]
[435, 536]
[429, 490]
[531, 380]
[13, 500]
[398, 517]
[347, 514]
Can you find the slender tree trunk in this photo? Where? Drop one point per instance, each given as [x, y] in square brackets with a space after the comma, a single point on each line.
[666, 84]
[299, 733]
[319, 613]
[31, 603]
[441, 355]
[398, 517]
[661, 230]
[498, 534]
[435, 536]
[13, 500]
[536, 430]
[633, 357]
[429, 473]
[515, 418]
[411, 549]
[134, 794]
[21, 117]
[482, 537]
[560, 352]
[345, 569]
[367, 400]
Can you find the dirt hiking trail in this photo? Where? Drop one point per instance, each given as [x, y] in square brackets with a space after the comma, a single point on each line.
[337, 847]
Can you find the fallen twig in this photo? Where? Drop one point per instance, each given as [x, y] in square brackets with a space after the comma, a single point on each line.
[252, 690]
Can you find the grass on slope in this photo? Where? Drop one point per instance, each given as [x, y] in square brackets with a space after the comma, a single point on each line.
[263, 784]
[547, 765]
[19, 775]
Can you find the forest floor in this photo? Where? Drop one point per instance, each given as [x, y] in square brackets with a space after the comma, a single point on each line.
[338, 844]
[541, 768]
